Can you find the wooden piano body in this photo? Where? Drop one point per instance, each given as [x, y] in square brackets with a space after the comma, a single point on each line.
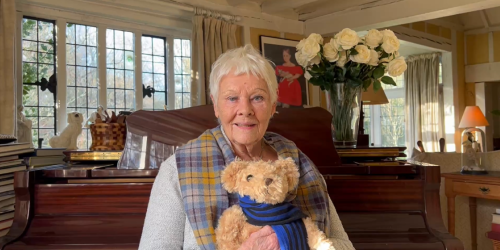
[381, 207]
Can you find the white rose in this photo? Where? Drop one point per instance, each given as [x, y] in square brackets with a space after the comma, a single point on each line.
[302, 59]
[334, 44]
[315, 60]
[363, 55]
[373, 58]
[310, 49]
[374, 38]
[397, 66]
[347, 38]
[390, 43]
[331, 54]
[316, 37]
[342, 59]
[301, 44]
[307, 75]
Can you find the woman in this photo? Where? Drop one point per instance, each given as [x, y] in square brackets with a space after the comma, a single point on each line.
[187, 198]
[290, 92]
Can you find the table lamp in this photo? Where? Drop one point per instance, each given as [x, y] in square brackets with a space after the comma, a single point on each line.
[472, 150]
[369, 97]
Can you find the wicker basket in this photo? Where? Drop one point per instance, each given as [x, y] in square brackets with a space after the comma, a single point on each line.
[108, 136]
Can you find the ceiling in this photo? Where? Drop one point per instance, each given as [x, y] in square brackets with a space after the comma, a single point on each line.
[302, 10]
[477, 20]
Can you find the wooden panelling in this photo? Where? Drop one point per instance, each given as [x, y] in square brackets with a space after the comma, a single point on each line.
[420, 26]
[446, 32]
[292, 36]
[91, 198]
[477, 49]
[496, 46]
[255, 34]
[432, 29]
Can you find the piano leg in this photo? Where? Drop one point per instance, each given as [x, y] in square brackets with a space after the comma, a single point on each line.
[473, 223]
[451, 215]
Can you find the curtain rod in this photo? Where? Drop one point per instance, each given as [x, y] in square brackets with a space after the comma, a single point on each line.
[201, 11]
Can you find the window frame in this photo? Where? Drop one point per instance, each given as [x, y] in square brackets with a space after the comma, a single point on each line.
[167, 73]
[21, 82]
[61, 18]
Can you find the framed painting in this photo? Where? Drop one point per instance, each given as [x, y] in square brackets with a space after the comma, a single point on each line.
[292, 86]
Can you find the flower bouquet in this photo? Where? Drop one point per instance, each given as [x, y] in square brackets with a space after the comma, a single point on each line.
[345, 66]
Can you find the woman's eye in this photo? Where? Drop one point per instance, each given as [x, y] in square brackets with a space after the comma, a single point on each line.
[258, 98]
[249, 177]
[232, 99]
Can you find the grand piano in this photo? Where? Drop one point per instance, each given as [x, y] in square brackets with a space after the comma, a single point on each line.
[382, 205]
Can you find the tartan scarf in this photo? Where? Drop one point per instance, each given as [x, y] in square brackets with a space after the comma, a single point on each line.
[200, 163]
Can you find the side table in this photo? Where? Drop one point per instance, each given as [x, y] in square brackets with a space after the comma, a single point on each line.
[473, 186]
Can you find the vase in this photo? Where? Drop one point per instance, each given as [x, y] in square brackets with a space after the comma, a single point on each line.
[344, 103]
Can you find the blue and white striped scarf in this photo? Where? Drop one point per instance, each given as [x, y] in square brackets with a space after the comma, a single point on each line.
[284, 218]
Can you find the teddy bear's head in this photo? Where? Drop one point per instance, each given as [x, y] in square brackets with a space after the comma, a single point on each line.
[265, 182]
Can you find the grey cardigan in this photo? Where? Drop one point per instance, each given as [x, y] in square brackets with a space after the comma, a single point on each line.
[166, 226]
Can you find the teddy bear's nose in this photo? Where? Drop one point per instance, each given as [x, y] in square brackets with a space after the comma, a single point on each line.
[269, 181]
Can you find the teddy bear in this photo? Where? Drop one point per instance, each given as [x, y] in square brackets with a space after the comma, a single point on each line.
[262, 187]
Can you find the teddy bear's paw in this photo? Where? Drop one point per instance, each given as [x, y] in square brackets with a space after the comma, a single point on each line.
[326, 245]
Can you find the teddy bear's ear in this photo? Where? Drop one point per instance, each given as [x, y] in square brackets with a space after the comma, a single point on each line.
[229, 175]
[290, 169]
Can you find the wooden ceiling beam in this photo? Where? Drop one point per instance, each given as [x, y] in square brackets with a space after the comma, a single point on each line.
[271, 6]
[392, 13]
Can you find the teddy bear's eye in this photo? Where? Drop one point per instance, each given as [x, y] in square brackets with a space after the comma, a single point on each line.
[249, 177]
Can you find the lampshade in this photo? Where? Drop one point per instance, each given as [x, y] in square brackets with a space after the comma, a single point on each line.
[473, 117]
[372, 97]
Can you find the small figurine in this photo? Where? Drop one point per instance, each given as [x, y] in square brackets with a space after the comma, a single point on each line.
[92, 118]
[68, 137]
[24, 126]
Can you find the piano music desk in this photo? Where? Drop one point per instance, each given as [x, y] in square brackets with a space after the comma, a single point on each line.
[472, 186]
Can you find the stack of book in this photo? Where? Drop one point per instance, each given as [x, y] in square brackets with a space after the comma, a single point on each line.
[44, 157]
[11, 161]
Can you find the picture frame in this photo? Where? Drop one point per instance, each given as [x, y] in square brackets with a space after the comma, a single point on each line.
[292, 85]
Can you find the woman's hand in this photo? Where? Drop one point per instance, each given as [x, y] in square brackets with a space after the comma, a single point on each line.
[264, 239]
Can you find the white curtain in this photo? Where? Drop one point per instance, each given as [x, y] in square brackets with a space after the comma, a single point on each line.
[211, 37]
[424, 121]
[7, 74]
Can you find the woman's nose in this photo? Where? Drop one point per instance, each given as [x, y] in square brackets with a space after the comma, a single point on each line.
[245, 109]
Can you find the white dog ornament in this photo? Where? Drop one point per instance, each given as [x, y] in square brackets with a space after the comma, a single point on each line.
[68, 137]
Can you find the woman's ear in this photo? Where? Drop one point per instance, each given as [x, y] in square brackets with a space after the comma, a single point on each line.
[290, 170]
[215, 106]
[229, 176]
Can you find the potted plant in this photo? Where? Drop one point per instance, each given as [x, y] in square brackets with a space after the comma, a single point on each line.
[346, 65]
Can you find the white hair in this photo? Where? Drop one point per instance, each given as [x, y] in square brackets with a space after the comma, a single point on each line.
[243, 60]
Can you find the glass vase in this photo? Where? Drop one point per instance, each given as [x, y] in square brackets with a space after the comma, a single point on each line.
[344, 103]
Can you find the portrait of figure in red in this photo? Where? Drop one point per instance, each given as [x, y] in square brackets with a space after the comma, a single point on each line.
[292, 86]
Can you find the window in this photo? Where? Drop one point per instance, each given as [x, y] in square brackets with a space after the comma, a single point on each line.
[367, 120]
[153, 71]
[182, 73]
[388, 120]
[81, 74]
[100, 65]
[120, 70]
[38, 59]
[392, 123]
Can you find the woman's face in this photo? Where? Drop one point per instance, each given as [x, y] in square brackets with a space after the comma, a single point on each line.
[286, 56]
[244, 108]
